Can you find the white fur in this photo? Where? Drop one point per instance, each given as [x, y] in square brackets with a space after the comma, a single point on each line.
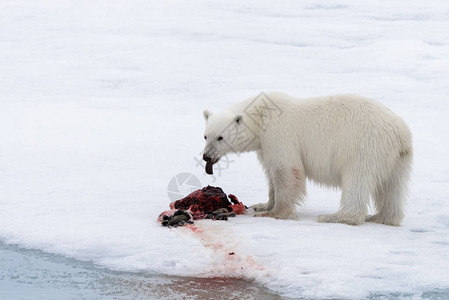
[343, 141]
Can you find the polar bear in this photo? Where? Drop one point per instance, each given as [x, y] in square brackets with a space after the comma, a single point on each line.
[343, 141]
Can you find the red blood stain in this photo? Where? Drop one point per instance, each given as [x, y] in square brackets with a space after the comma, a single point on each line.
[213, 238]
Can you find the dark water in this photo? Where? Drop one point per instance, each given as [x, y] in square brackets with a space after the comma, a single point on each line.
[33, 274]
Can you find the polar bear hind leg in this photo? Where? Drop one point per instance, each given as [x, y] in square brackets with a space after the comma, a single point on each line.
[389, 197]
[353, 205]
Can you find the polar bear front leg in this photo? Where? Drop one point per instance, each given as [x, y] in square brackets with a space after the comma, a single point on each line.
[289, 190]
[269, 205]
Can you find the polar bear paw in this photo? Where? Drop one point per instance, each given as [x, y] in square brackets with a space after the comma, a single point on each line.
[262, 214]
[382, 220]
[273, 214]
[374, 219]
[340, 218]
[260, 207]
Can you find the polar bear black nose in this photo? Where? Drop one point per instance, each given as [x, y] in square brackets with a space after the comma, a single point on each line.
[206, 158]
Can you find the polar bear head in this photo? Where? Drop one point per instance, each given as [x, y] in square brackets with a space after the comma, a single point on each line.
[226, 132]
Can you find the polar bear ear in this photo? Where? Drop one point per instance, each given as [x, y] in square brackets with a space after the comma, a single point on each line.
[206, 114]
[238, 118]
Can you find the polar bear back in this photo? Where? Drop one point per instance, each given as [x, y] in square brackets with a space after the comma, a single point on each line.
[336, 136]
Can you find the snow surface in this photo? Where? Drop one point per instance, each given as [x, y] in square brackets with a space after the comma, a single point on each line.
[101, 105]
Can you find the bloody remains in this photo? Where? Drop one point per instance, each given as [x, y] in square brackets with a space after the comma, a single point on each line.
[209, 202]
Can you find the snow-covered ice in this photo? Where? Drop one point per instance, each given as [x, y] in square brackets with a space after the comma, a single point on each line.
[101, 105]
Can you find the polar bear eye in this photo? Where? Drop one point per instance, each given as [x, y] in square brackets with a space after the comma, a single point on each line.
[219, 138]
[205, 137]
